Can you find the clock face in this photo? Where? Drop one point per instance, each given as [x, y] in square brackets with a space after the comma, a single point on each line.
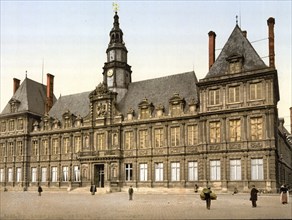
[110, 72]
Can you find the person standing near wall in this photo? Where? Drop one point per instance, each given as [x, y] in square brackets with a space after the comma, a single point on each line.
[131, 192]
[284, 194]
[254, 196]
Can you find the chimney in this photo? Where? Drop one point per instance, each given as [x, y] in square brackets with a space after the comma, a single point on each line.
[212, 37]
[271, 23]
[290, 120]
[50, 92]
[16, 83]
[244, 33]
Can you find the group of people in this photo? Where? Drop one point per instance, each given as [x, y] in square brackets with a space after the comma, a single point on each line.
[207, 195]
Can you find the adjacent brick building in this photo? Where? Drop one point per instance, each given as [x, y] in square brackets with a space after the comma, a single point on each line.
[174, 131]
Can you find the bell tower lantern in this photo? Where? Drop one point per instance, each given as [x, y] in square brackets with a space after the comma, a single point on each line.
[116, 71]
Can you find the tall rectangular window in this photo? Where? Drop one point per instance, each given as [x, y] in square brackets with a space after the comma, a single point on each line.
[129, 140]
[100, 139]
[129, 171]
[235, 169]
[66, 148]
[10, 175]
[65, 174]
[35, 147]
[192, 134]
[3, 126]
[214, 97]
[175, 171]
[77, 174]
[256, 128]
[18, 174]
[77, 144]
[143, 138]
[33, 174]
[2, 149]
[1, 175]
[19, 148]
[45, 147]
[143, 172]
[175, 136]
[215, 173]
[255, 91]
[233, 94]
[44, 174]
[11, 148]
[158, 172]
[55, 146]
[257, 169]
[11, 125]
[20, 124]
[54, 174]
[193, 171]
[235, 130]
[158, 137]
[215, 133]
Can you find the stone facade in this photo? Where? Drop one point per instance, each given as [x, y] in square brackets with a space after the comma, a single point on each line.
[175, 131]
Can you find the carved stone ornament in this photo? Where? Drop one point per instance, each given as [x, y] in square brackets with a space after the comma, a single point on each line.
[101, 109]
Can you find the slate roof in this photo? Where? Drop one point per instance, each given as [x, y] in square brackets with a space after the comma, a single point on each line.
[237, 44]
[32, 97]
[159, 91]
[78, 104]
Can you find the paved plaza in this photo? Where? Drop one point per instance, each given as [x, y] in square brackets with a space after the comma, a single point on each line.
[82, 205]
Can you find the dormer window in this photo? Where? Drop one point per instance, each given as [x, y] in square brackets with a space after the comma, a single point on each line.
[235, 63]
[14, 104]
[176, 104]
[145, 109]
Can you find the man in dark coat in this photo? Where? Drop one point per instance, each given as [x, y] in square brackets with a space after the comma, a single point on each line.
[93, 189]
[130, 191]
[40, 190]
[207, 193]
[254, 196]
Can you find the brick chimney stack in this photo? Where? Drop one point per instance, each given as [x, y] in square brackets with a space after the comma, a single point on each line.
[212, 37]
[271, 23]
[50, 92]
[16, 83]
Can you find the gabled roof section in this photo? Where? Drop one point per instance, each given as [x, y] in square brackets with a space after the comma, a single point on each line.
[238, 45]
[159, 91]
[31, 96]
[77, 104]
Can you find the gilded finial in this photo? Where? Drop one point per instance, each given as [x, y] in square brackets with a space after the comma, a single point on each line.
[115, 7]
[236, 20]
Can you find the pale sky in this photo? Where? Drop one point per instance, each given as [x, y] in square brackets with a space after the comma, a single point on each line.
[162, 37]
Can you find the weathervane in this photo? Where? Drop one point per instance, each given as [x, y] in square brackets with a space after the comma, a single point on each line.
[115, 7]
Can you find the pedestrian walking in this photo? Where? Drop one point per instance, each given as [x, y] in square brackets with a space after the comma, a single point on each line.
[131, 192]
[196, 188]
[40, 190]
[207, 192]
[93, 189]
[254, 196]
[284, 194]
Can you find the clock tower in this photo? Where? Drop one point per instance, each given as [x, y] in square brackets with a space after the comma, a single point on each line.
[116, 71]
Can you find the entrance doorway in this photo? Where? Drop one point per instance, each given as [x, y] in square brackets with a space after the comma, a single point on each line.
[99, 175]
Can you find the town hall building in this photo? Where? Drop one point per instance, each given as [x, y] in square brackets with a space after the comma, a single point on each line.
[221, 131]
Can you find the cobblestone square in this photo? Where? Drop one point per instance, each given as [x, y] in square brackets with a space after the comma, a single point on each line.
[82, 205]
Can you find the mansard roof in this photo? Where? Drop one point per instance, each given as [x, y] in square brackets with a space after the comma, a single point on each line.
[238, 45]
[31, 97]
[159, 91]
[77, 104]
